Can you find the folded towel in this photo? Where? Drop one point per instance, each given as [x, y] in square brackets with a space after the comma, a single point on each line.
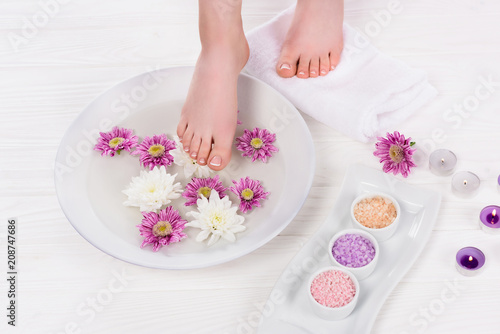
[366, 93]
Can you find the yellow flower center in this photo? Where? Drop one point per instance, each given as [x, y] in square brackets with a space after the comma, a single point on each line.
[256, 143]
[217, 221]
[396, 153]
[247, 194]
[162, 229]
[204, 191]
[115, 142]
[156, 150]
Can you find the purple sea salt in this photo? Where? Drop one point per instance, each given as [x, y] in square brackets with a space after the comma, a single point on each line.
[353, 251]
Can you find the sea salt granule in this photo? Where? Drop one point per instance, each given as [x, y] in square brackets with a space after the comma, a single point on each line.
[353, 250]
[375, 212]
[333, 288]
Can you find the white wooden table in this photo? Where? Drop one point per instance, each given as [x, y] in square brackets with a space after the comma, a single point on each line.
[87, 46]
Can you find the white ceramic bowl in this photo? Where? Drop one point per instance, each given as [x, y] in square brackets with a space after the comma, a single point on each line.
[332, 313]
[381, 234]
[359, 272]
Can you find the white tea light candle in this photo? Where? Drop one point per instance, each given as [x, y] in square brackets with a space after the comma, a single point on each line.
[465, 184]
[442, 162]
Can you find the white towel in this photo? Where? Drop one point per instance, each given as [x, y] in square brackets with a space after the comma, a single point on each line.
[368, 91]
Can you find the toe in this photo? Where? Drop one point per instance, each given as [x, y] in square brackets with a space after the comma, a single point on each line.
[334, 60]
[205, 147]
[287, 64]
[303, 68]
[314, 67]
[220, 154]
[181, 128]
[194, 147]
[186, 139]
[324, 65]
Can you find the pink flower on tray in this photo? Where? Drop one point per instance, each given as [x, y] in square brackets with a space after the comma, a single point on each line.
[203, 187]
[257, 144]
[155, 151]
[115, 141]
[250, 193]
[396, 153]
[161, 229]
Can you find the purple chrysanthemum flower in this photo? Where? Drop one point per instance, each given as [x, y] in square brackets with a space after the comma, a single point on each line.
[396, 153]
[203, 187]
[161, 229]
[155, 151]
[115, 141]
[250, 193]
[257, 144]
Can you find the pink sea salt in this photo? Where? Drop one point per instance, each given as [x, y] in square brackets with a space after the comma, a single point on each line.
[333, 288]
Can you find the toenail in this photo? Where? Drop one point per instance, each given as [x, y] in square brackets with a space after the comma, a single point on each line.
[216, 161]
[285, 67]
[302, 73]
[313, 72]
[186, 149]
[194, 154]
[201, 161]
[323, 72]
[333, 67]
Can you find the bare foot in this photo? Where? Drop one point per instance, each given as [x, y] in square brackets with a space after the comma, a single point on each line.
[314, 41]
[209, 116]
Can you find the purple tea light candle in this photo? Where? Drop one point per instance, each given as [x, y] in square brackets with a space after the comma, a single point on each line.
[470, 261]
[489, 219]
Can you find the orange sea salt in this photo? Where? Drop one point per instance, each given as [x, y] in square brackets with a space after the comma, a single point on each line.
[375, 212]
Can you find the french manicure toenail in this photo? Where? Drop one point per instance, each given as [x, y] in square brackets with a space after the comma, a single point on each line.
[285, 67]
[302, 73]
[216, 161]
[333, 67]
[313, 72]
[194, 154]
[186, 149]
[202, 161]
[323, 72]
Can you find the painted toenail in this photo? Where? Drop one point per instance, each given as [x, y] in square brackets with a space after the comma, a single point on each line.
[194, 154]
[216, 161]
[323, 72]
[186, 149]
[333, 67]
[201, 161]
[302, 73]
[313, 72]
[285, 67]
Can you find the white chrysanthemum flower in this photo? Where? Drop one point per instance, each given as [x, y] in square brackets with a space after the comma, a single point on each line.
[191, 167]
[152, 189]
[216, 217]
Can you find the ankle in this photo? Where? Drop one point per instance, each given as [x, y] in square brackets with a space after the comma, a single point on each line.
[231, 50]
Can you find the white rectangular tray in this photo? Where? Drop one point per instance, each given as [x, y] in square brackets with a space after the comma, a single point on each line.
[419, 209]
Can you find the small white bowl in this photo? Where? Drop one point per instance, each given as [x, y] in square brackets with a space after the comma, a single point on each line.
[332, 313]
[359, 272]
[381, 234]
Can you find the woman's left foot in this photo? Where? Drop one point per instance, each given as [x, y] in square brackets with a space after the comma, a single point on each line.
[314, 41]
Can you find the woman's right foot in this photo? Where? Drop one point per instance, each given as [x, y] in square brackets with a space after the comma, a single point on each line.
[209, 116]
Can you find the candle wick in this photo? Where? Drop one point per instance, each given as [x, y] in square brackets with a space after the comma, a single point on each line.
[465, 183]
[442, 161]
